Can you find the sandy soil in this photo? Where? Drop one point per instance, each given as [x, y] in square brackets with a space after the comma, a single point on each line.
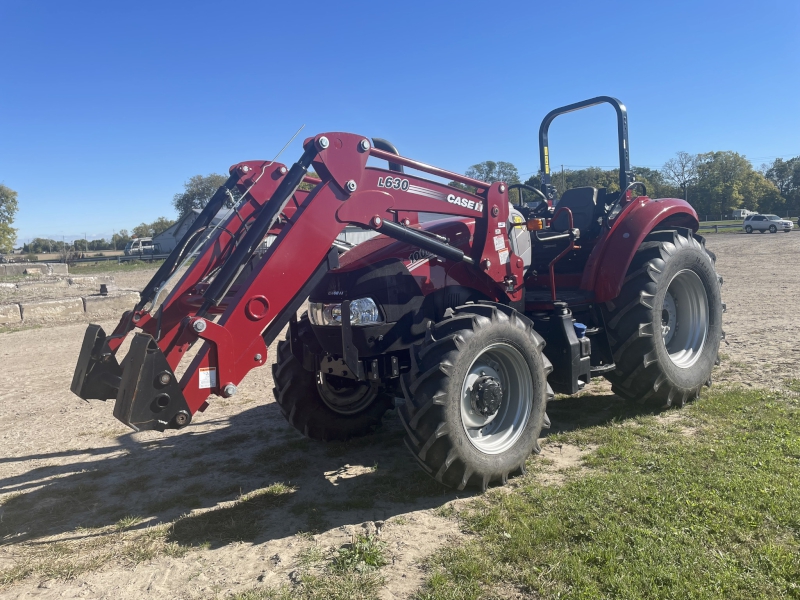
[70, 474]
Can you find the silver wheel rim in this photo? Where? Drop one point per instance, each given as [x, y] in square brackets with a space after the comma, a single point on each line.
[684, 318]
[496, 433]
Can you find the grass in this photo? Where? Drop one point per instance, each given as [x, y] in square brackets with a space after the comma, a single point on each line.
[351, 574]
[365, 553]
[109, 266]
[657, 515]
[69, 559]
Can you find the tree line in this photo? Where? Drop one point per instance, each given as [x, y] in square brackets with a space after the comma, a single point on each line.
[197, 192]
[714, 183]
[117, 241]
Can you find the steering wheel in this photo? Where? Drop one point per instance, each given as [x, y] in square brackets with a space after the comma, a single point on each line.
[542, 207]
[616, 206]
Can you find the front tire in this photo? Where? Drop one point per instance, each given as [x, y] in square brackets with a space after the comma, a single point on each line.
[325, 408]
[475, 405]
[773, 229]
[665, 326]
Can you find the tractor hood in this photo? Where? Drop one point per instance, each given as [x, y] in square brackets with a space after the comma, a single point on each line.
[409, 285]
[458, 231]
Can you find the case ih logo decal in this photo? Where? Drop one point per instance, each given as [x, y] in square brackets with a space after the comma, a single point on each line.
[465, 202]
[399, 183]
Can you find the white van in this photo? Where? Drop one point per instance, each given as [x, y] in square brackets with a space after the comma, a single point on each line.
[139, 246]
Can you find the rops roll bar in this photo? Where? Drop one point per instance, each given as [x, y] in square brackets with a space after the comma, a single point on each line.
[625, 174]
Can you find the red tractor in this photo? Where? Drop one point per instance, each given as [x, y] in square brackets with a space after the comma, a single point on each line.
[474, 318]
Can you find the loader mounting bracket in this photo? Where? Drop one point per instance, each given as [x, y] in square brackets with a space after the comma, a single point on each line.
[150, 397]
[97, 374]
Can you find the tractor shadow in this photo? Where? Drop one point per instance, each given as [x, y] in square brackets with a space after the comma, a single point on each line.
[592, 409]
[259, 478]
[262, 479]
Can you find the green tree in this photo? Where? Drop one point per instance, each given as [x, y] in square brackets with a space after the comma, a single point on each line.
[574, 178]
[785, 175]
[657, 185]
[8, 208]
[726, 181]
[118, 240]
[197, 192]
[160, 225]
[490, 172]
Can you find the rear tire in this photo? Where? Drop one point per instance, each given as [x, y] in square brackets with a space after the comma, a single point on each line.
[323, 409]
[665, 326]
[461, 434]
[748, 229]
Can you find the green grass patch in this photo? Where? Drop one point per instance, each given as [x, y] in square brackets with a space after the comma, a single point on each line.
[352, 574]
[365, 553]
[112, 266]
[715, 514]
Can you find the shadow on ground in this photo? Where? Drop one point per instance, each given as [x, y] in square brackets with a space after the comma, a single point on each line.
[284, 483]
[590, 410]
[315, 486]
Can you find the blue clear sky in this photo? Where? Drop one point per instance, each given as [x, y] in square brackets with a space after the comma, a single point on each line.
[106, 108]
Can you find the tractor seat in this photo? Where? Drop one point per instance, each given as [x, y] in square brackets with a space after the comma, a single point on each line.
[582, 202]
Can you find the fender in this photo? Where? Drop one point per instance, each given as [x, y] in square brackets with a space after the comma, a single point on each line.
[612, 255]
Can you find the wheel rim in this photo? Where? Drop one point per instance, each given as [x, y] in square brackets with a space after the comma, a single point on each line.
[344, 396]
[748, 229]
[684, 318]
[772, 229]
[495, 433]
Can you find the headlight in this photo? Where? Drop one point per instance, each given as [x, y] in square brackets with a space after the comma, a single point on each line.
[363, 311]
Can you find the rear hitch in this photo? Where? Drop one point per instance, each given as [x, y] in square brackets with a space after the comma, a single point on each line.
[148, 395]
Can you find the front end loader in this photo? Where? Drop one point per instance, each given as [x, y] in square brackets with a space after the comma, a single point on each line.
[468, 308]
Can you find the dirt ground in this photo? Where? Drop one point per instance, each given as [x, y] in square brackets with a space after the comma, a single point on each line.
[89, 509]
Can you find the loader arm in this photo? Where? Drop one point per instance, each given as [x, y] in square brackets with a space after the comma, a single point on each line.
[235, 316]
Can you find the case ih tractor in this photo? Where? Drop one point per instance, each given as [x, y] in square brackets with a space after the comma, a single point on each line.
[472, 319]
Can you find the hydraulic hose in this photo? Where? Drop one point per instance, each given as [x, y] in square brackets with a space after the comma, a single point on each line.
[201, 222]
[420, 240]
[233, 267]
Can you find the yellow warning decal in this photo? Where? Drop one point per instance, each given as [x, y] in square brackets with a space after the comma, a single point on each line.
[546, 161]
